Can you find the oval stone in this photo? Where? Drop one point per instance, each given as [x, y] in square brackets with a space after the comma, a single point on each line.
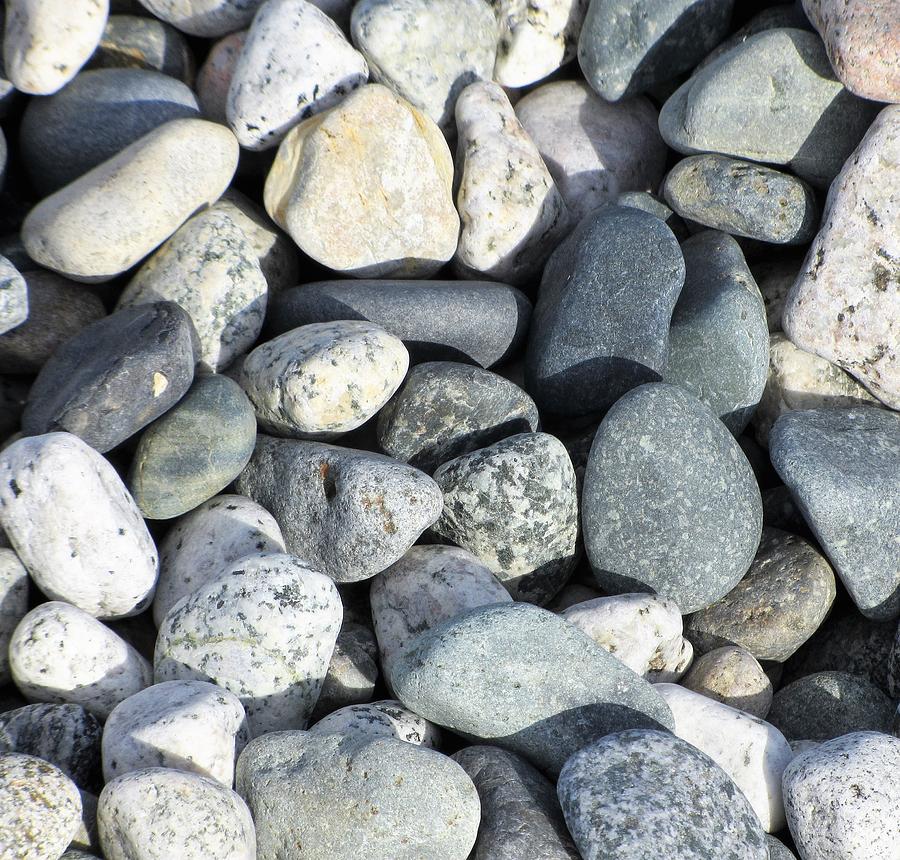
[732, 676]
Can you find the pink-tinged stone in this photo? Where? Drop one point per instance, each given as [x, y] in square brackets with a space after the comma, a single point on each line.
[845, 304]
[214, 77]
[862, 38]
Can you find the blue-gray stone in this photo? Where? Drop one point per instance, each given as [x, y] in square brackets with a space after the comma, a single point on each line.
[649, 203]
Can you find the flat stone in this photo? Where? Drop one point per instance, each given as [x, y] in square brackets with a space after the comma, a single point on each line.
[520, 814]
[115, 376]
[385, 719]
[844, 305]
[94, 549]
[264, 629]
[206, 18]
[560, 689]
[695, 546]
[600, 325]
[732, 676]
[594, 150]
[62, 655]
[348, 513]
[426, 808]
[783, 599]
[835, 793]
[718, 341]
[775, 279]
[352, 671]
[95, 117]
[215, 75]
[14, 583]
[13, 297]
[626, 48]
[376, 149]
[625, 778]
[188, 163]
[841, 466]
[203, 818]
[773, 98]
[478, 322]
[295, 62]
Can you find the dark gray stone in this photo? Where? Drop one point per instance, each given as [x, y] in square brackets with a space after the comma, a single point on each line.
[138, 42]
[628, 47]
[640, 794]
[13, 394]
[94, 117]
[3, 155]
[776, 607]
[670, 502]
[13, 289]
[778, 850]
[534, 684]
[195, 450]
[843, 469]
[645, 201]
[520, 814]
[600, 326]
[472, 321]
[115, 376]
[719, 340]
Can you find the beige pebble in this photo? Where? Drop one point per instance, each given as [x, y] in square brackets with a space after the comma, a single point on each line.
[733, 676]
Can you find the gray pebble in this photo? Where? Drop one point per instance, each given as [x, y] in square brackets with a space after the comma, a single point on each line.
[13, 602]
[352, 671]
[778, 850]
[385, 719]
[654, 206]
[206, 18]
[13, 294]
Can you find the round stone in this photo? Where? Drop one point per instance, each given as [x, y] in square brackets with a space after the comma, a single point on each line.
[139, 42]
[13, 603]
[733, 676]
[385, 719]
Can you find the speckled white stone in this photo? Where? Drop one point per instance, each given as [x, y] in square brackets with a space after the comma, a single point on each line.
[512, 214]
[13, 295]
[732, 676]
[75, 526]
[203, 543]
[323, 379]
[751, 751]
[207, 18]
[13, 604]
[265, 630]
[295, 63]
[46, 42]
[109, 219]
[159, 814]
[58, 653]
[384, 719]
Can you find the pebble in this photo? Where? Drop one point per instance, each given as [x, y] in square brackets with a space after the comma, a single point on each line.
[352, 672]
[46, 42]
[324, 379]
[115, 376]
[539, 687]
[144, 813]
[841, 466]
[208, 19]
[427, 51]
[385, 719]
[94, 118]
[215, 75]
[619, 780]
[398, 800]
[210, 270]
[477, 322]
[377, 150]
[41, 808]
[600, 325]
[701, 514]
[204, 542]
[520, 814]
[718, 340]
[731, 675]
[594, 150]
[778, 850]
[186, 725]
[295, 62]
[783, 599]
[13, 297]
[349, 513]
[843, 306]
[842, 798]
[641, 630]
[626, 48]
[514, 505]
[751, 751]
[648, 202]
[62, 655]
[13, 603]
[188, 163]
[138, 42]
[743, 199]
[94, 549]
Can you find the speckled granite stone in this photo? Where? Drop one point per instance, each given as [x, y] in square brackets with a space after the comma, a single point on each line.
[385, 719]
[733, 676]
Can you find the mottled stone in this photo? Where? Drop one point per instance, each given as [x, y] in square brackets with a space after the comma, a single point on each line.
[60, 654]
[352, 671]
[733, 676]
[138, 42]
[13, 602]
[594, 150]
[206, 18]
[349, 513]
[620, 799]
[842, 467]
[385, 719]
[214, 76]
[202, 818]
[842, 798]
[13, 296]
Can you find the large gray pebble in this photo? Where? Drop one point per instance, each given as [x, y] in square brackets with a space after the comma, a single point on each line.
[13, 602]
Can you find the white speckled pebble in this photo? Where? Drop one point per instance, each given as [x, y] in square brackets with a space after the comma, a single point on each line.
[60, 654]
[160, 814]
[13, 295]
[264, 630]
[207, 18]
[751, 751]
[385, 719]
[323, 379]
[75, 526]
[186, 725]
[13, 603]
